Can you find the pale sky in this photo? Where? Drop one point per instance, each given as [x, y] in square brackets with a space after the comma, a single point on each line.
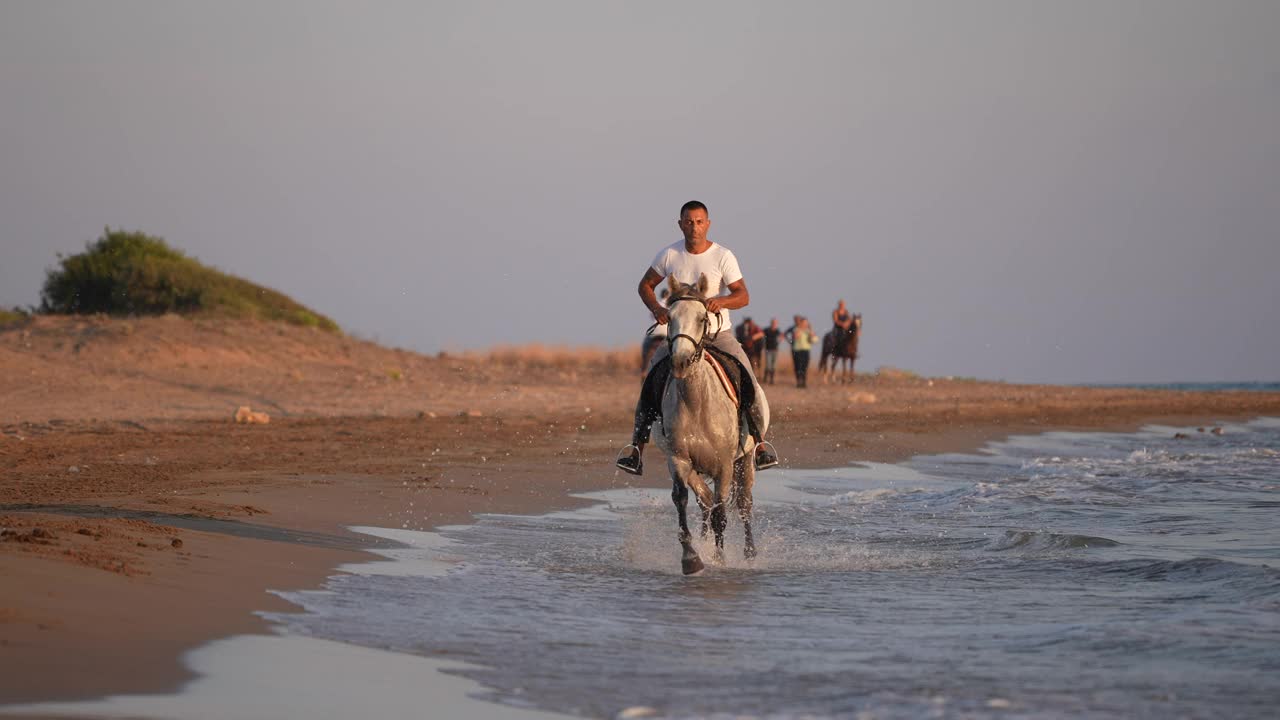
[1029, 191]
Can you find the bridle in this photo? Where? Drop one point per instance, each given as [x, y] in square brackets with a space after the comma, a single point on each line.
[698, 343]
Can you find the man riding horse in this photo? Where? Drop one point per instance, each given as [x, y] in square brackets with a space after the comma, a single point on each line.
[840, 346]
[842, 319]
[688, 260]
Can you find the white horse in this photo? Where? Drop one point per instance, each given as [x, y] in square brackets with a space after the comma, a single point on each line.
[700, 433]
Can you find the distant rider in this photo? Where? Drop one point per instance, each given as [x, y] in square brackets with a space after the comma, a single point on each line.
[842, 319]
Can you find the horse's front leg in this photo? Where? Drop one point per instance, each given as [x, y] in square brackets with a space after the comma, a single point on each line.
[701, 492]
[719, 511]
[744, 476]
[690, 563]
[685, 479]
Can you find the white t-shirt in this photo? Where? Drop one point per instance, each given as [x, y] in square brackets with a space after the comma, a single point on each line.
[717, 262]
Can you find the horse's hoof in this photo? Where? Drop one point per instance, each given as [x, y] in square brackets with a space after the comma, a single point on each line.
[692, 565]
[750, 552]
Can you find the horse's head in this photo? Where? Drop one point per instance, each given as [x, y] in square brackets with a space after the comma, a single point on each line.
[689, 325]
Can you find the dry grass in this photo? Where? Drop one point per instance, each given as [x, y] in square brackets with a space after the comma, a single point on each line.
[11, 317]
[536, 360]
[611, 360]
[892, 373]
[544, 357]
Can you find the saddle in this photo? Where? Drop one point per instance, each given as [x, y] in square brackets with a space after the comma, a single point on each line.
[729, 374]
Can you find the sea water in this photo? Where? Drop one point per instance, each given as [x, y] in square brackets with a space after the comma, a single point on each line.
[1066, 574]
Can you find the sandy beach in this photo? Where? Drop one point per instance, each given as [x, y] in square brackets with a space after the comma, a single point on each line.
[139, 521]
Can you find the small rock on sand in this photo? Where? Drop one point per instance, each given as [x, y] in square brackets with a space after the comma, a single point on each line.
[246, 415]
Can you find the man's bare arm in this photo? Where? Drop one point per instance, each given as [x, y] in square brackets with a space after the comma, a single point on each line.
[647, 284]
[738, 297]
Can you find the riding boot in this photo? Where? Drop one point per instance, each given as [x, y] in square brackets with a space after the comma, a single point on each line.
[648, 409]
[765, 455]
[629, 460]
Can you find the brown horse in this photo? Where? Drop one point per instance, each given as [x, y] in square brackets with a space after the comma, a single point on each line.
[839, 346]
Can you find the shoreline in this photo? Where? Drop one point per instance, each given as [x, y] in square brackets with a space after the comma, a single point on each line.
[138, 521]
[146, 618]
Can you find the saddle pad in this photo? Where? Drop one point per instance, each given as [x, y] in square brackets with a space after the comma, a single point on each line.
[724, 378]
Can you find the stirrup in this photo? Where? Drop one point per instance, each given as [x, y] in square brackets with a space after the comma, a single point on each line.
[629, 460]
[765, 456]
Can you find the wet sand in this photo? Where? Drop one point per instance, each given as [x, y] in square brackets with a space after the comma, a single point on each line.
[139, 521]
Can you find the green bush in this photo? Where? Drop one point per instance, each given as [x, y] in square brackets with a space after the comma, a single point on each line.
[134, 274]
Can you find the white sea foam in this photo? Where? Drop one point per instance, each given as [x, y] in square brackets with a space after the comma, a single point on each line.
[425, 554]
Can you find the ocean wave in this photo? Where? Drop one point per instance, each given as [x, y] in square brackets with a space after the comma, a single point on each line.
[1201, 569]
[1035, 540]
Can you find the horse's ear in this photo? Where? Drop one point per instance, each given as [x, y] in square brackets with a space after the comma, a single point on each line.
[703, 282]
[672, 284]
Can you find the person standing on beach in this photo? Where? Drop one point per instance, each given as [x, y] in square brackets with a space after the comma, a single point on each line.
[771, 334]
[688, 260]
[802, 337]
[750, 336]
